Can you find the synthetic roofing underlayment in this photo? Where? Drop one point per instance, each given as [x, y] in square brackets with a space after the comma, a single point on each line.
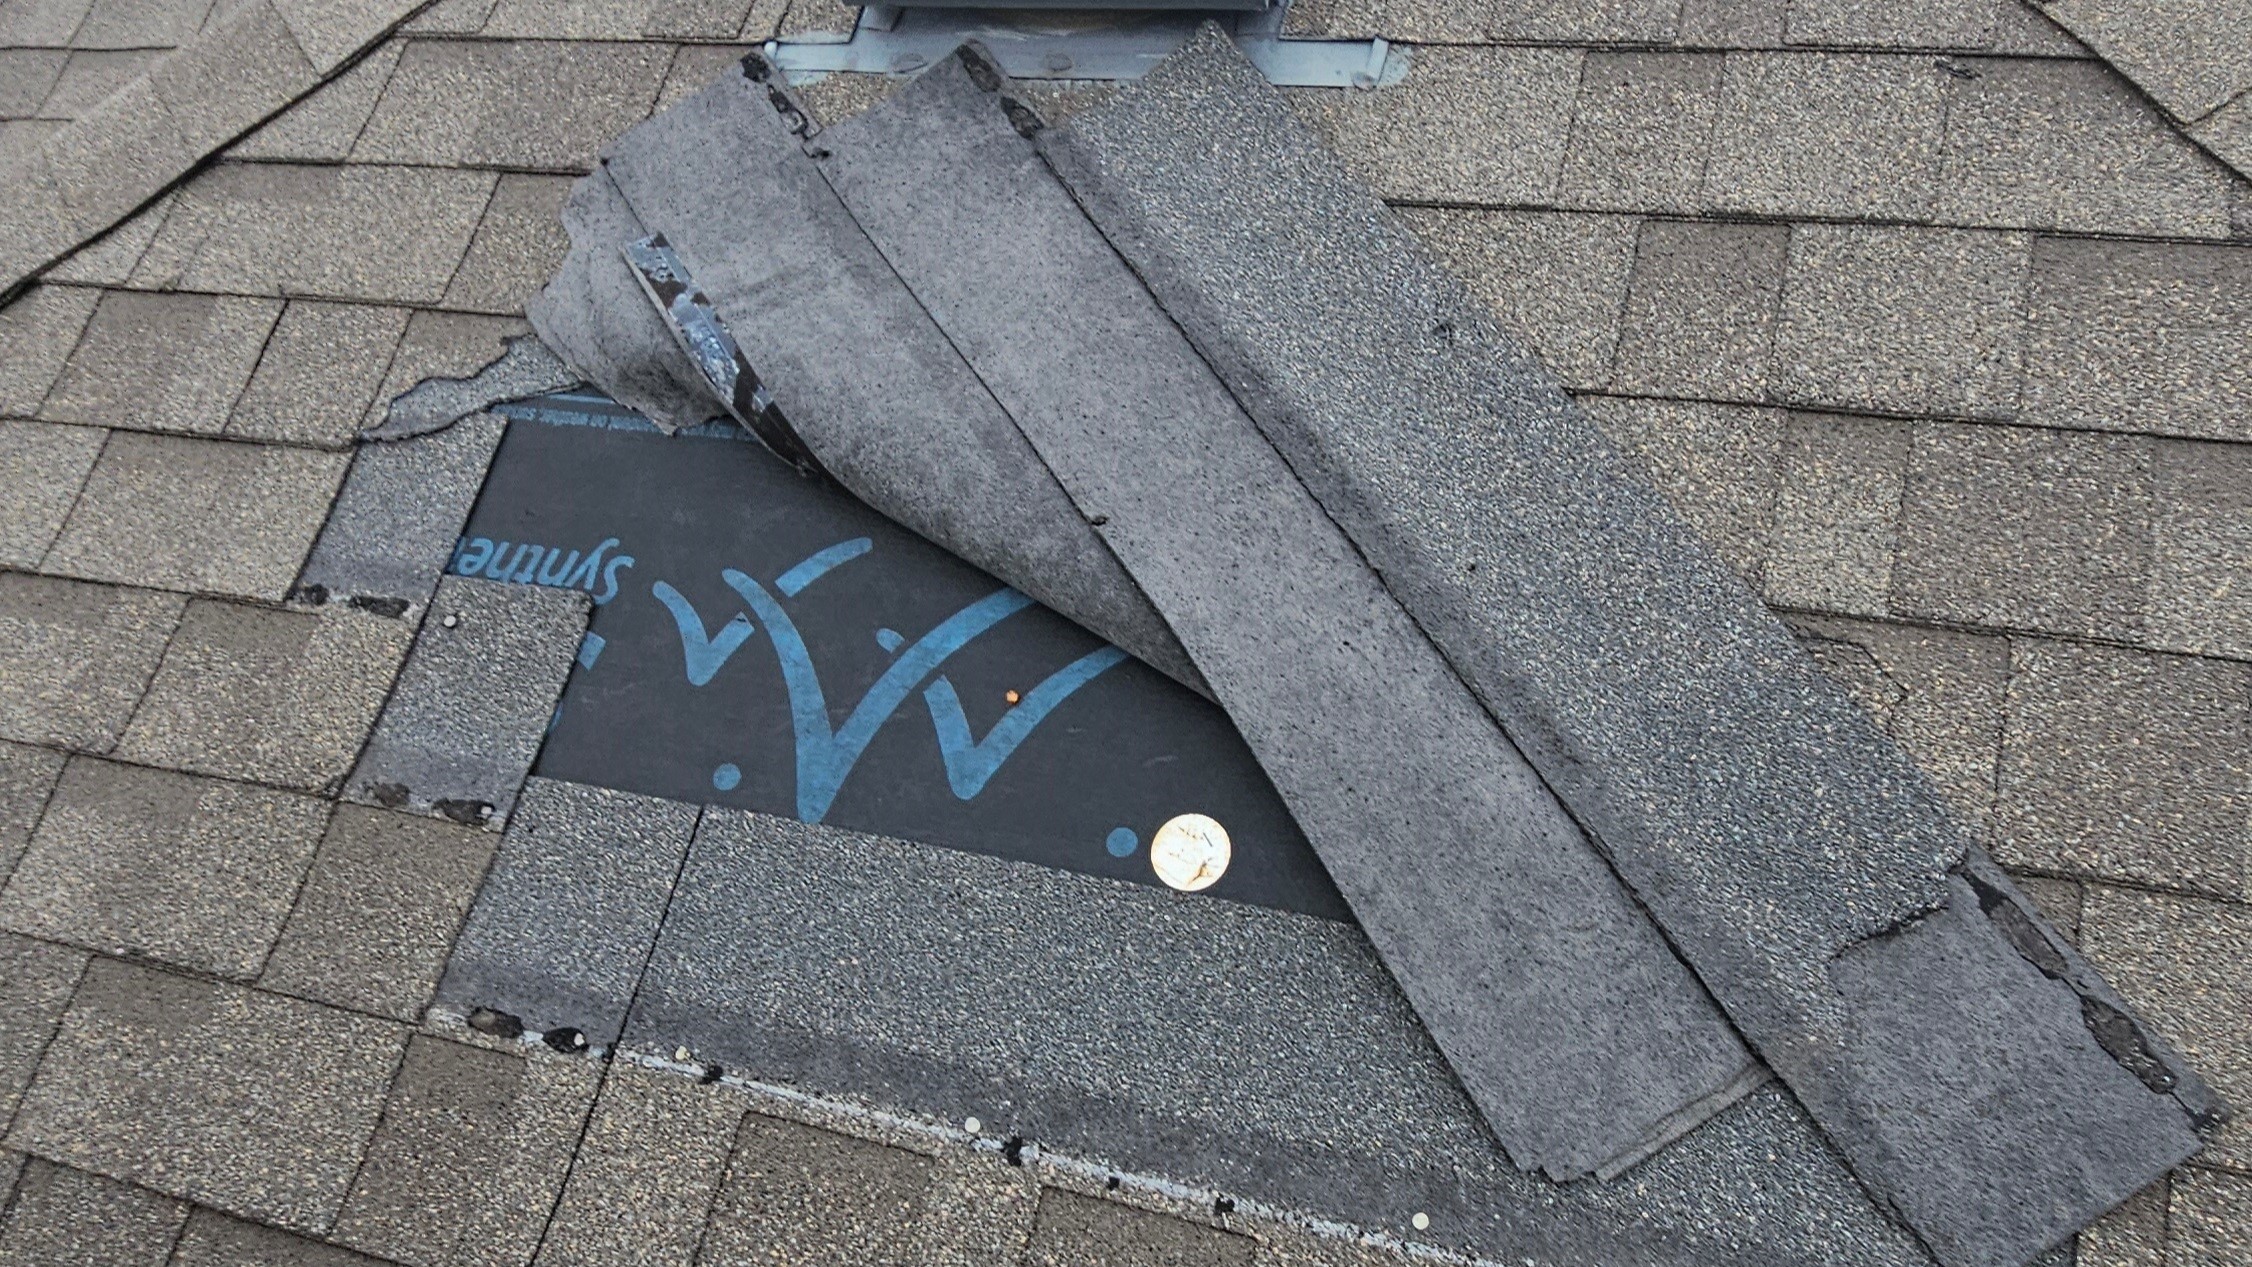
[1617, 846]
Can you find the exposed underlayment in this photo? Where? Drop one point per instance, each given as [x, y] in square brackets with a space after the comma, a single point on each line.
[1811, 887]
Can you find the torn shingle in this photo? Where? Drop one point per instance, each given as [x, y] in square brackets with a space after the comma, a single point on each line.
[565, 921]
[526, 369]
[1826, 839]
[473, 702]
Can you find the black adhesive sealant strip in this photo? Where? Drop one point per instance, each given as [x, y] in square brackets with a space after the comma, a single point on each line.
[1793, 854]
[1583, 1040]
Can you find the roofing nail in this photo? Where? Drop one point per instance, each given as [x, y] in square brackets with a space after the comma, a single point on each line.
[972, 1126]
[1421, 1222]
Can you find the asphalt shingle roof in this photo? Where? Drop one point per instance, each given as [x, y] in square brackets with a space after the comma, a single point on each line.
[1930, 321]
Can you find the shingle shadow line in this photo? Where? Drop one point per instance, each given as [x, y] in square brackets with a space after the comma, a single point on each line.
[1691, 216]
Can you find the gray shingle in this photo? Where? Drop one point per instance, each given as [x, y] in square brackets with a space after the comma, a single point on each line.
[26, 76]
[1715, 463]
[474, 700]
[280, 696]
[2210, 1219]
[322, 127]
[67, 1216]
[91, 76]
[140, 23]
[450, 17]
[697, 65]
[2059, 901]
[2192, 55]
[1937, 691]
[543, 105]
[115, 157]
[1573, 22]
[140, 862]
[111, 258]
[801, 1194]
[2227, 132]
[43, 23]
[396, 521]
[569, 19]
[42, 467]
[1732, 24]
[441, 345]
[249, 1102]
[162, 362]
[518, 246]
[2138, 336]
[2046, 143]
[382, 234]
[1700, 309]
[1468, 124]
[470, 1157]
[1641, 129]
[2186, 965]
[318, 374]
[1556, 278]
[246, 67]
[2128, 765]
[27, 775]
[978, 1212]
[699, 19]
[1892, 24]
[567, 918]
[1077, 1231]
[1917, 321]
[1827, 134]
[80, 657]
[214, 1240]
[2203, 551]
[332, 30]
[818, 21]
[1837, 513]
[39, 329]
[379, 911]
[209, 515]
[33, 229]
[40, 980]
[2021, 529]
[654, 1154]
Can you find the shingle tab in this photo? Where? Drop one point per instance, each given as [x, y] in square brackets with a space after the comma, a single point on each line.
[381, 234]
[1891, 24]
[140, 23]
[518, 245]
[322, 126]
[44, 23]
[91, 76]
[317, 377]
[111, 258]
[246, 66]
[42, 467]
[190, 871]
[1715, 463]
[1077, 1231]
[1641, 131]
[2203, 551]
[82, 656]
[283, 697]
[1837, 513]
[27, 775]
[178, 513]
[645, 1176]
[2138, 336]
[1827, 134]
[115, 157]
[470, 1157]
[1480, 125]
[1914, 321]
[26, 75]
[2210, 1219]
[150, 1073]
[543, 105]
[162, 362]
[1700, 311]
[214, 1240]
[2046, 143]
[68, 1216]
[39, 329]
[474, 700]
[2186, 963]
[1554, 277]
[568, 916]
[2128, 765]
[802, 1194]
[379, 910]
[2192, 55]
[40, 978]
[399, 515]
[330, 31]
[2014, 528]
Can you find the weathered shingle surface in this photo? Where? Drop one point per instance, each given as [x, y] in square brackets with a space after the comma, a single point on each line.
[1931, 322]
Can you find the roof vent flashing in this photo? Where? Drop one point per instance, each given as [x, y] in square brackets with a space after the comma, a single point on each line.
[1091, 40]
